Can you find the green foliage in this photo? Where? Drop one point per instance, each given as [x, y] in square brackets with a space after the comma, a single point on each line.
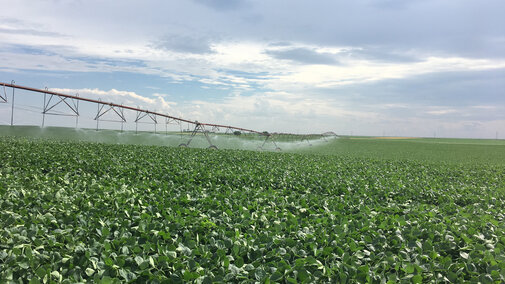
[76, 212]
[453, 151]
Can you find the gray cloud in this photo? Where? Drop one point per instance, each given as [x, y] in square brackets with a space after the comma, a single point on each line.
[303, 55]
[22, 27]
[445, 90]
[30, 32]
[393, 4]
[279, 44]
[380, 54]
[183, 43]
[463, 28]
[221, 5]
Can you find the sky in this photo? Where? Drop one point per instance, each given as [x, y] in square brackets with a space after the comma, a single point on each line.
[365, 67]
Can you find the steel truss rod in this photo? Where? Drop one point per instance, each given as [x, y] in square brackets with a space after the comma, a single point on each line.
[234, 130]
[199, 127]
[329, 134]
[12, 108]
[117, 110]
[167, 122]
[152, 116]
[141, 115]
[180, 127]
[47, 107]
[103, 108]
[3, 97]
[306, 138]
[271, 139]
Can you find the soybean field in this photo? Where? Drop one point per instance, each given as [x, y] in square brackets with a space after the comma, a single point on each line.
[342, 211]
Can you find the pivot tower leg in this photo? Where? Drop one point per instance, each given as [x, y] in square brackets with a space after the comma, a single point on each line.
[12, 108]
[199, 127]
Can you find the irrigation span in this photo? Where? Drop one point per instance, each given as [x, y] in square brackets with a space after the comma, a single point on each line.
[71, 103]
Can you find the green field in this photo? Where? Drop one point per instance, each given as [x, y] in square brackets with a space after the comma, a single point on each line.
[452, 151]
[346, 210]
[243, 142]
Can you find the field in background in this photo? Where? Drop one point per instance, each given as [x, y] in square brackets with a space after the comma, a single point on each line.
[346, 210]
[446, 150]
[228, 141]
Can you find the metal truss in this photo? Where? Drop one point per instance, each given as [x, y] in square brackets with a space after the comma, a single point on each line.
[167, 122]
[141, 114]
[3, 96]
[103, 108]
[199, 127]
[12, 104]
[175, 121]
[329, 134]
[306, 138]
[72, 102]
[270, 138]
[49, 105]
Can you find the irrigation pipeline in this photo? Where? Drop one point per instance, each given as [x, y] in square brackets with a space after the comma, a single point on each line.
[199, 127]
[11, 85]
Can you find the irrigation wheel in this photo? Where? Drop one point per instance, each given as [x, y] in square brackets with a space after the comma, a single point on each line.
[212, 147]
[278, 149]
[183, 145]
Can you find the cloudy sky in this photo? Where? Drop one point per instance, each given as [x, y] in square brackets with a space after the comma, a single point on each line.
[366, 67]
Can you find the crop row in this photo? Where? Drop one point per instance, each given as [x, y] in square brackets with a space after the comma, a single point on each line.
[73, 211]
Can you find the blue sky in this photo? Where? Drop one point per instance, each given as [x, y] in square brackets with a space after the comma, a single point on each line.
[399, 68]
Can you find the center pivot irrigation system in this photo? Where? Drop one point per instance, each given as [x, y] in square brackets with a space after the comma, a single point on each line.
[53, 99]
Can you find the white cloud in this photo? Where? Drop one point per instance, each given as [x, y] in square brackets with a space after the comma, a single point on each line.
[485, 107]
[212, 68]
[362, 71]
[391, 106]
[272, 111]
[158, 103]
[441, 111]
